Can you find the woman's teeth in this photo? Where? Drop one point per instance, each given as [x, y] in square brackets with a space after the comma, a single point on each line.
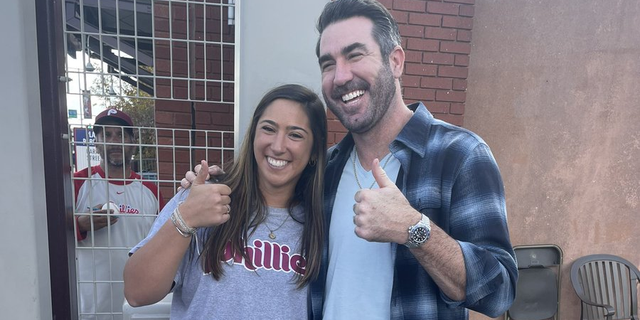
[276, 163]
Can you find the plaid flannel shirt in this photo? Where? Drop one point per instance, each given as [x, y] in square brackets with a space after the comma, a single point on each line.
[449, 174]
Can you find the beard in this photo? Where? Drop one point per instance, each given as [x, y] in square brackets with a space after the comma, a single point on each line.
[116, 157]
[381, 94]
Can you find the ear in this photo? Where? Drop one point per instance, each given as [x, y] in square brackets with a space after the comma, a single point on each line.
[396, 61]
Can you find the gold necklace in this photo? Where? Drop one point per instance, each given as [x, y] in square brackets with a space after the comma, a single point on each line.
[272, 235]
[355, 171]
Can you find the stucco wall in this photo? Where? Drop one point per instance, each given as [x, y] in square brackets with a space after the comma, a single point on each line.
[554, 88]
[24, 266]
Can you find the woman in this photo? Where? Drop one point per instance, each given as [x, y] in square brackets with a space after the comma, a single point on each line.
[259, 233]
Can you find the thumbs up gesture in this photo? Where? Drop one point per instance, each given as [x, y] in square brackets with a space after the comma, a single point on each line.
[384, 214]
[207, 204]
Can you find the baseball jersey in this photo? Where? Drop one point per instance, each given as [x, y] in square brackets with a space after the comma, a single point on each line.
[101, 254]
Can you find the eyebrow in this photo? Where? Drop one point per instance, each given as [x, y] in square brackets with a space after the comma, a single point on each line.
[346, 50]
[273, 123]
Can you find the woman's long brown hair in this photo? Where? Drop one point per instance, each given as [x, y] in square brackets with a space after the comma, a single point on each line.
[246, 198]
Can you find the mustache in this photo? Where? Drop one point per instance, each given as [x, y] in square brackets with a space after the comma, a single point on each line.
[339, 91]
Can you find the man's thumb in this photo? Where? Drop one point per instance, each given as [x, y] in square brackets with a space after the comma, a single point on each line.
[202, 174]
[380, 175]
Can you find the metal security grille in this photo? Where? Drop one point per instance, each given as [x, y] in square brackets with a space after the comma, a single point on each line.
[102, 251]
[170, 65]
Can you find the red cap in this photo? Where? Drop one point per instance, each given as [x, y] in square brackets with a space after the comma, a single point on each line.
[114, 114]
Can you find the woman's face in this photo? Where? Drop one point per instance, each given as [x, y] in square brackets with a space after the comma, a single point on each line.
[282, 146]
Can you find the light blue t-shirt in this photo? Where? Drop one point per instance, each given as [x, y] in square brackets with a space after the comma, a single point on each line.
[360, 273]
[264, 289]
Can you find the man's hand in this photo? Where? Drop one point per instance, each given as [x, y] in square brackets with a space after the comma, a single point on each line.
[101, 218]
[207, 204]
[190, 176]
[384, 214]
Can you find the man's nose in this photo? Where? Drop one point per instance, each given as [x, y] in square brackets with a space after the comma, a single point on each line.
[342, 73]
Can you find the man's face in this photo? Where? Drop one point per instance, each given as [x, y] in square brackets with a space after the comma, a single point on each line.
[357, 83]
[110, 145]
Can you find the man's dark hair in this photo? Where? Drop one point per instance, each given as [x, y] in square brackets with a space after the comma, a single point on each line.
[385, 29]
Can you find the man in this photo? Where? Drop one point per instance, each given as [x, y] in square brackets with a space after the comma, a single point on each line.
[105, 237]
[435, 243]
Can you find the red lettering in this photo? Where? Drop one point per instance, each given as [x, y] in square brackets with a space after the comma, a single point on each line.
[285, 258]
[247, 263]
[276, 257]
[257, 259]
[268, 256]
[298, 263]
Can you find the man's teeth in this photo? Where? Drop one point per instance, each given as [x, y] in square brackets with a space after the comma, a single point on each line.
[276, 163]
[352, 95]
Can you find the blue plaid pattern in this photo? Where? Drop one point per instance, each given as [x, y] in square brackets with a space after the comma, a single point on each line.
[449, 174]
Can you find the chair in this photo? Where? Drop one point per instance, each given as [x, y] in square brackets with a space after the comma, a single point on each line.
[538, 287]
[607, 286]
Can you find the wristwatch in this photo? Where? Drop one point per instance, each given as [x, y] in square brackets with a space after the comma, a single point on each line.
[419, 233]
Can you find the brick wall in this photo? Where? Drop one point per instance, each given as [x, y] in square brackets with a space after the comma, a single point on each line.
[189, 51]
[436, 36]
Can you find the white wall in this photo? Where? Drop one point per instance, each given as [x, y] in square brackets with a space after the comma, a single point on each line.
[24, 263]
[276, 42]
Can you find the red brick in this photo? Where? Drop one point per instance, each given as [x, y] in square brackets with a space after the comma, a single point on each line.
[203, 118]
[455, 47]
[436, 83]
[420, 69]
[457, 108]
[387, 3]
[425, 19]
[437, 107]
[180, 92]
[335, 126]
[404, 42]
[161, 25]
[409, 5]
[459, 84]
[422, 44]
[419, 94]
[178, 11]
[401, 17]
[451, 96]
[438, 58]
[462, 60]
[464, 35]
[467, 11]
[454, 119]
[461, 1]
[457, 22]
[160, 10]
[440, 33]
[443, 8]
[413, 56]
[453, 72]
[410, 81]
[414, 31]
[331, 115]
[340, 136]
[182, 119]
[164, 118]
[222, 119]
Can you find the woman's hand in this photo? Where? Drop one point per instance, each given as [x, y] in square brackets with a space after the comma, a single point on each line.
[207, 204]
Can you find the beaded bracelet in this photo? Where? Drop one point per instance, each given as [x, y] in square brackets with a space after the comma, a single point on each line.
[181, 225]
